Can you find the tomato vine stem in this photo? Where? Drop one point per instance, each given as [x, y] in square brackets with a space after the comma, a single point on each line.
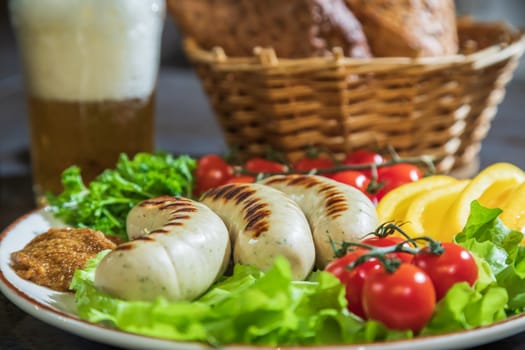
[395, 158]
[427, 160]
[409, 245]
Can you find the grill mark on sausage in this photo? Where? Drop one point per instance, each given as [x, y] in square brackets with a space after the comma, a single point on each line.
[162, 230]
[179, 204]
[297, 180]
[335, 201]
[130, 245]
[250, 202]
[179, 207]
[234, 191]
[145, 238]
[125, 246]
[276, 180]
[218, 192]
[336, 204]
[174, 223]
[254, 210]
[163, 199]
[178, 217]
[256, 214]
[258, 222]
[326, 188]
[151, 202]
[174, 203]
[237, 192]
[175, 218]
[244, 195]
[187, 209]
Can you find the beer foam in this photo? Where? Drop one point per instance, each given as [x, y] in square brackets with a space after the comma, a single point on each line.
[89, 50]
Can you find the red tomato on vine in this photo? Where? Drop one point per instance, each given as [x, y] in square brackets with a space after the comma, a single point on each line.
[307, 163]
[212, 171]
[401, 172]
[456, 264]
[353, 279]
[262, 165]
[241, 179]
[353, 178]
[389, 241]
[392, 176]
[363, 156]
[403, 299]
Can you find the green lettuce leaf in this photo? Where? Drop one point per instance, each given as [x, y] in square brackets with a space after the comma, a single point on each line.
[486, 236]
[249, 307]
[105, 203]
[465, 308]
[512, 278]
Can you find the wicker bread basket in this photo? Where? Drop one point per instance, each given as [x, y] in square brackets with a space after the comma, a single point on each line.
[441, 106]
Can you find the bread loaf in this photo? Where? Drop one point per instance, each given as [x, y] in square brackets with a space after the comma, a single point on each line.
[294, 28]
[408, 28]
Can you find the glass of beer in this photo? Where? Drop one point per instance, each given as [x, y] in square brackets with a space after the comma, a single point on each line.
[90, 71]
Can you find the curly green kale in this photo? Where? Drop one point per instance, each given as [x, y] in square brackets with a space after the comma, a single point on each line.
[104, 203]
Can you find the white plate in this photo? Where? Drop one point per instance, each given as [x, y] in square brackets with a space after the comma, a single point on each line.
[58, 309]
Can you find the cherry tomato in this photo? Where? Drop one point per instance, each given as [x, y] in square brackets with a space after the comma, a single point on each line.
[353, 279]
[404, 299]
[401, 172]
[353, 178]
[241, 179]
[455, 264]
[306, 163]
[261, 165]
[212, 171]
[363, 156]
[389, 241]
[386, 187]
[395, 175]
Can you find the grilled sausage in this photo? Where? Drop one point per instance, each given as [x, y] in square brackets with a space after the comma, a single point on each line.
[263, 223]
[334, 210]
[178, 248]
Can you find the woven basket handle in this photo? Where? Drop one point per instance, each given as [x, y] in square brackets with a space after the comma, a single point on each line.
[266, 56]
[496, 54]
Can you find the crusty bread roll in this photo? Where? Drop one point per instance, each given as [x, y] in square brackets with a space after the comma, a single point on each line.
[408, 28]
[294, 28]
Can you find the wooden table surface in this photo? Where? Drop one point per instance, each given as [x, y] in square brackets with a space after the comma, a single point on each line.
[185, 124]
